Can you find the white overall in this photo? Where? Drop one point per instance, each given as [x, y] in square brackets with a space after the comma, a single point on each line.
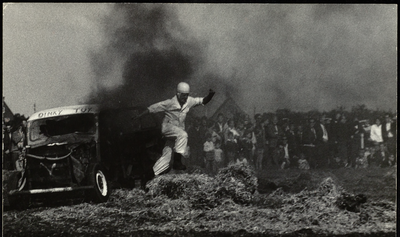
[173, 128]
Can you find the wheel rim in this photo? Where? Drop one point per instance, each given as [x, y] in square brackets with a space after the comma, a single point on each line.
[101, 183]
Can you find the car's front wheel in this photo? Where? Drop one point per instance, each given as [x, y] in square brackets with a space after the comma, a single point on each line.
[101, 188]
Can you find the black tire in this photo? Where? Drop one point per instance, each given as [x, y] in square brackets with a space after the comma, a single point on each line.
[18, 202]
[101, 187]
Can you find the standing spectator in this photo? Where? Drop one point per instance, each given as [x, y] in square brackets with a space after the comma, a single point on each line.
[247, 123]
[331, 144]
[220, 126]
[230, 128]
[303, 163]
[343, 139]
[7, 158]
[361, 160]
[376, 133]
[372, 158]
[240, 128]
[383, 157]
[333, 137]
[204, 124]
[274, 133]
[266, 146]
[219, 155]
[388, 134]
[212, 130]
[196, 138]
[367, 136]
[260, 142]
[17, 139]
[292, 141]
[322, 142]
[209, 148]
[20, 163]
[309, 140]
[299, 139]
[246, 146]
[231, 148]
[356, 136]
[285, 126]
[367, 152]
[204, 127]
[282, 154]
[24, 130]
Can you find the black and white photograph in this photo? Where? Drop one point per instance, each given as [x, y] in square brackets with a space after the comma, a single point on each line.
[199, 119]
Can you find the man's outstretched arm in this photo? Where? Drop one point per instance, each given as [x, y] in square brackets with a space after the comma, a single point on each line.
[141, 114]
[208, 97]
[154, 108]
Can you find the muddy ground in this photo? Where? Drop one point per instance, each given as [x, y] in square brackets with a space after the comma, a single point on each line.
[286, 203]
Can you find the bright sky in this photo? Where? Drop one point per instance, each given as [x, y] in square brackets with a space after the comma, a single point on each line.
[300, 57]
[45, 49]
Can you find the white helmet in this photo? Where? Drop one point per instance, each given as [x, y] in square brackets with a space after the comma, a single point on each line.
[183, 87]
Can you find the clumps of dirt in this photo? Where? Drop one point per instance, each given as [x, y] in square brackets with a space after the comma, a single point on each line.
[180, 185]
[196, 170]
[329, 187]
[127, 199]
[312, 207]
[197, 189]
[236, 182]
[292, 180]
[227, 205]
[375, 182]
[327, 206]
[390, 177]
[273, 200]
[351, 202]
[150, 208]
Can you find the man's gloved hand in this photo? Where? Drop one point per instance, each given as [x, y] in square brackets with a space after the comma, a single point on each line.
[208, 97]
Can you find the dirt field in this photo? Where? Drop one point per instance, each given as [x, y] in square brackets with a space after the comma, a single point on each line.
[377, 183]
[286, 203]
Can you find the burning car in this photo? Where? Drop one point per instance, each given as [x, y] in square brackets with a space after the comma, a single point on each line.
[84, 147]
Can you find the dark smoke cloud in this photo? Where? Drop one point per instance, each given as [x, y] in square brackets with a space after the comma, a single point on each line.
[146, 55]
[271, 56]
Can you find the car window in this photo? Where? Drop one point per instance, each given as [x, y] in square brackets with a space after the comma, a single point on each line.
[56, 126]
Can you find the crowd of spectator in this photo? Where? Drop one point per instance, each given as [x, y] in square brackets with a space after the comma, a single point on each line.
[267, 141]
[273, 142]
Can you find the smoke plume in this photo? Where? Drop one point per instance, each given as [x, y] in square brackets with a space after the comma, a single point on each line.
[147, 53]
[267, 57]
